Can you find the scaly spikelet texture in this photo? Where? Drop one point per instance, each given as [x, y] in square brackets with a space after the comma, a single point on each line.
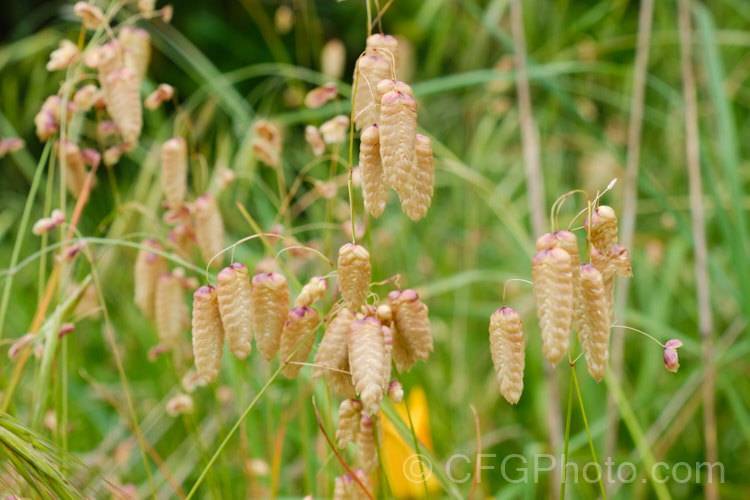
[208, 333]
[366, 357]
[354, 271]
[385, 46]
[171, 312]
[507, 345]
[148, 267]
[124, 104]
[75, 169]
[233, 290]
[423, 179]
[174, 167]
[367, 452]
[614, 262]
[311, 292]
[136, 44]
[412, 339]
[350, 413]
[398, 132]
[602, 228]
[333, 352]
[107, 59]
[593, 311]
[209, 228]
[374, 188]
[299, 330]
[553, 290]
[372, 69]
[270, 305]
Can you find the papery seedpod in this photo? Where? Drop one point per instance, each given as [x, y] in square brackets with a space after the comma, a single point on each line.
[208, 333]
[396, 392]
[671, 359]
[354, 271]
[335, 129]
[321, 95]
[398, 132]
[47, 224]
[209, 229]
[370, 70]
[91, 15]
[265, 152]
[367, 452]
[422, 178]
[507, 346]
[298, 333]
[170, 312]
[620, 261]
[374, 187]
[311, 292]
[84, 97]
[270, 305]
[592, 312]
[191, 381]
[412, 339]
[182, 239]
[45, 123]
[332, 358]
[387, 365]
[347, 428]
[333, 59]
[269, 132]
[71, 160]
[366, 358]
[174, 168]
[553, 290]
[136, 44]
[163, 92]
[233, 291]
[62, 58]
[315, 140]
[180, 404]
[148, 267]
[124, 104]
[385, 86]
[385, 46]
[107, 59]
[602, 228]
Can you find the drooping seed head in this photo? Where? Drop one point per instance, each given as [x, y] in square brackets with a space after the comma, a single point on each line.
[270, 305]
[350, 414]
[385, 46]
[671, 359]
[602, 228]
[171, 313]
[366, 358]
[333, 58]
[422, 177]
[592, 320]
[174, 168]
[507, 345]
[90, 15]
[297, 339]
[233, 290]
[553, 292]
[374, 187]
[367, 452]
[412, 339]
[209, 229]
[124, 104]
[163, 92]
[396, 392]
[71, 160]
[332, 358]
[208, 333]
[62, 58]
[180, 404]
[311, 292]
[398, 131]
[148, 267]
[370, 70]
[136, 44]
[315, 140]
[354, 271]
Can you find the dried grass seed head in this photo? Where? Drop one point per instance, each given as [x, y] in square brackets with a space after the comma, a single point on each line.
[270, 305]
[136, 44]
[593, 320]
[209, 229]
[148, 267]
[124, 104]
[234, 291]
[332, 358]
[208, 333]
[507, 345]
[163, 92]
[297, 339]
[333, 59]
[315, 140]
[367, 452]
[552, 273]
[334, 130]
[369, 71]
[180, 404]
[71, 160]
[90, 15]
[174, 169]
[374, 187]
[398, 132]
[347, 428]
[422, 178]
[412, 339]
[384, 45]
[171, 312]
[354, 270]
[602, 228]
[311, 292]
[366, 358]
[62, 57]
[265, 152]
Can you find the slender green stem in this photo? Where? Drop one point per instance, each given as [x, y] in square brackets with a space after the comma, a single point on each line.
[567, 439]
[588, 432]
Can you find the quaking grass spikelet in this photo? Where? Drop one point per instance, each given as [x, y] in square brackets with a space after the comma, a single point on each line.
[350, 414]
[354, 270]
[75, 168]
[602, 228]
[333, 352]
[208, 333]
[299, 330]
[209, 228]
[422, 178]
[593, 313]
[615, 262]
[374, 188]
[412, 339]
[367, 451]
[311, 292]
[507, 345]
[366, 357]
[174, 167]
[385, 46]
[136, 44]
[398, 131]
[372, 69]
[553, 291]
[148, 267]
[124, 104]
[171, 312]
[233, 290]
[270, 305]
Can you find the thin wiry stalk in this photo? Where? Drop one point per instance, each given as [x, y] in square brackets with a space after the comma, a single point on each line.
[630, 192]
[586, 425]
[567, 418]
[702, 284]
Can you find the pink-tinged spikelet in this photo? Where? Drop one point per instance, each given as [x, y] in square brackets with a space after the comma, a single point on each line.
[507, 345]
[311, 292]
[72, 161]
[422, 178]
[136, 44]
[171, 312]
[124, 104]
[209, 228]
[553, 290]
[233, 290]
[602, 228]
[367, 452]
[366, 357]
[398, 132]
[107, 59]
[333, 352]
[614, 262]
[412, 339]
[350, 413]
[385, 46]
[208, 333]
[374, 188]
[270, 305]
[148, 267]
[174, 167]
[299, 331]
[372, 69]
[593, 313]
[354, 271]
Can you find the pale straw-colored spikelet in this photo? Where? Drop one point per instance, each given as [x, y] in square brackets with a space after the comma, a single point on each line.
[602, 228]
[350, 413]
[387, 364]
[233, 290]
[593, 312]
[84, 97]
[265, 152]
[107, 59]
[367, 451]
[269, 132]
[72, 161]
[398, 132]
[366, 357]
[312, 292]
[298, 333]
[333, 352]
[507, 346]
[385, 46]
[209, 228]
[90, 15]
[370, 70]
[553, 290]
[174, 167]
[333, 58]
[354, 271]
[208, 333]
[315, 140]
[423, 179]
[171, 313]
[374, 188]
[136, 44]
[412, 339]
[148, 267]
[614, 262]
[270, 305]
[124, 104]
